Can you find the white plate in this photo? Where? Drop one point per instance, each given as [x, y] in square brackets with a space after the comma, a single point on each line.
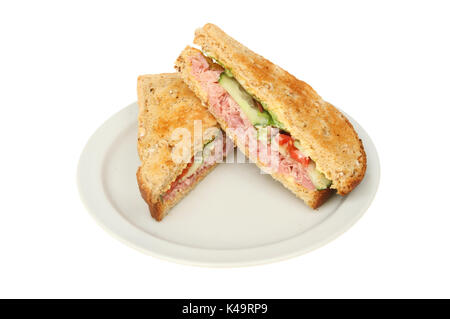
[235, 217]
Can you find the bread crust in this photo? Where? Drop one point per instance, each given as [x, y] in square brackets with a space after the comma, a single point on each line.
[156, 207]
[165, 104]
[160, 208]
[325, 133]
[312, 198]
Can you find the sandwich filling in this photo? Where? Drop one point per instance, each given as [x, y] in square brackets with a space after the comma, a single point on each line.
[254, 127]
[213, 152]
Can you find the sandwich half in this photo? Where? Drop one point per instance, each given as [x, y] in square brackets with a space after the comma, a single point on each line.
[179, 141]
[258, 103]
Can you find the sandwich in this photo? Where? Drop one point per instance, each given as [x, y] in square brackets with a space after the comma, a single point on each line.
[314, 150]
[179, 141]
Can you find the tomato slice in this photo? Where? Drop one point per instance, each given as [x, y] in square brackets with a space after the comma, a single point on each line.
[283, 139]
[298, 156]
[180, 176]
[293, 151]
[185, 170]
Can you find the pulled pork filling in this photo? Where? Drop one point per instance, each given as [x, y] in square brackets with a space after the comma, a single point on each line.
[222, 105]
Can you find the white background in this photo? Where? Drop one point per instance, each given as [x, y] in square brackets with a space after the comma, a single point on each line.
[65, 67]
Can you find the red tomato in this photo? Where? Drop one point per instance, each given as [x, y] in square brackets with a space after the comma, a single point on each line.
[298, 156]
[185, 170]
[283, 139]
[180, 176]
[293, 151]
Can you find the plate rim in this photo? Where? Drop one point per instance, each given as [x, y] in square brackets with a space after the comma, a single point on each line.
[123, 230]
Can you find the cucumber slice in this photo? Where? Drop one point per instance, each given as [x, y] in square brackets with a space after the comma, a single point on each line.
[275, 122]
[207, 150]
[317, 178]
[228, 72]
[244, 100]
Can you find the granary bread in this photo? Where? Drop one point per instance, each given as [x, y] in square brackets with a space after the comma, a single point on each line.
[165, 104]
[322, 136]
[325, 133]
[313, 198]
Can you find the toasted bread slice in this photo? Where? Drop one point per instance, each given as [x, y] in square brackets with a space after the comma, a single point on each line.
[313, 198]
[325, 134]
[159, 208]
[165, 104]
